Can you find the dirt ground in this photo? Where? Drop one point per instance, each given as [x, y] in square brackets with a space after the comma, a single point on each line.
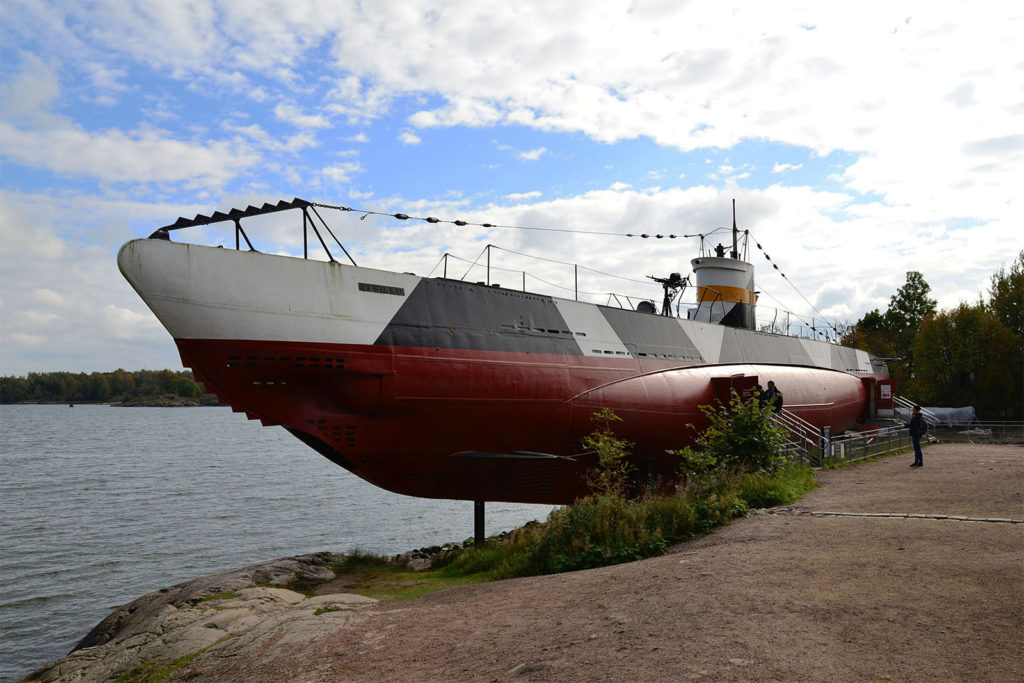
[918, 581]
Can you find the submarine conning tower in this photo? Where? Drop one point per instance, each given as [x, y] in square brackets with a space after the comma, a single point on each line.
[725, 286]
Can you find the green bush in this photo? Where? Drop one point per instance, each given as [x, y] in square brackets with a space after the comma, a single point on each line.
[736, 467]
[611, 476]
[740, 437]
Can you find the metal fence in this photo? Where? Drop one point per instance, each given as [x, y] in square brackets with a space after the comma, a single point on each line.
[859, 447]
[853, 447]
[848, 448]
[980, 432]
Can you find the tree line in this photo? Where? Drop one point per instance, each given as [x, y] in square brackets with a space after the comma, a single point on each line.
[971, 355]
[119, 386]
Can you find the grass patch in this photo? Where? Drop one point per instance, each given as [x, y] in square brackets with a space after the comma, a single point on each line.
[156, 671]
[379, 577]
[226, 595]
[325, 610]
[605, 530]
[764, 491]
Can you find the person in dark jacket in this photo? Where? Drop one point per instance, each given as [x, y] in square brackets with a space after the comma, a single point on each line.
[916, 430]
[773, 397]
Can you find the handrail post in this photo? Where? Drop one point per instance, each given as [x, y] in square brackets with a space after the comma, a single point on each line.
[576, 278]
[488, 265]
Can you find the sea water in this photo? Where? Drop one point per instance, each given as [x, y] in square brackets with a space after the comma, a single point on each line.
[100, 505]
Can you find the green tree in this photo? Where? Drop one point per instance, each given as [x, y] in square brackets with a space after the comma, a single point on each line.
[61, 387]
[121, 383]
[966, 356]
[892, 334]
[909, 305]
[184, 385]
[15, 389]
[741, 437]
[1006, 300]
[99, 387]
[611, 476]
[872, 333]
[1006, 303]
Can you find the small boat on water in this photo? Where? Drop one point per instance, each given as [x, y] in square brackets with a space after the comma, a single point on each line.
[442, 388]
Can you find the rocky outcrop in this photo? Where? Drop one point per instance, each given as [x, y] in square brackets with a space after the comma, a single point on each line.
[252, 607]
[262, 606]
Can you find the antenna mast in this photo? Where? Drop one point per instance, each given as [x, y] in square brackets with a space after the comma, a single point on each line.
[735, 246]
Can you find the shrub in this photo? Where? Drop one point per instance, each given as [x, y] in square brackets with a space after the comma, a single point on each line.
[734, 469]
[611, 476]
[741, 437]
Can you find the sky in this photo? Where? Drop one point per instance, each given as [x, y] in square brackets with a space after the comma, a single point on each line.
[860, 141]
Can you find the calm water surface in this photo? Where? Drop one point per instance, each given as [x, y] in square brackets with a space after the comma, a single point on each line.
[100, 505]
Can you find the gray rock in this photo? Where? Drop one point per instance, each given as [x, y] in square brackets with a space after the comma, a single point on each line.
[227, 609]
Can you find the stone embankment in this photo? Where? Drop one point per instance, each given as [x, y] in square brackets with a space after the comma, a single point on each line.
[250, 607]
[884, 573]
[244, 607]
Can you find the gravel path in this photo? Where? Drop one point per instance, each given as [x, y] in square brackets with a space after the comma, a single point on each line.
[916, 580]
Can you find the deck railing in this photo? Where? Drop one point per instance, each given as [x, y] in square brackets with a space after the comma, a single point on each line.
[906, 405]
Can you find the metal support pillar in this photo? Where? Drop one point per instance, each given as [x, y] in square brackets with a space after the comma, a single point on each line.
[478, 523]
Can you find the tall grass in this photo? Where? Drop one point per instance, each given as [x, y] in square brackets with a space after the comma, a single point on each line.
[603, 529]
[736, 465]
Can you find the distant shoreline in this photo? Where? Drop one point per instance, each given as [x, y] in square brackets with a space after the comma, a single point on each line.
[158, 402]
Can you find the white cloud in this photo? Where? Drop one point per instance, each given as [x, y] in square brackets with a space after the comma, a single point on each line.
[291, 114]
[41, 139]
[256, 133]
[782, 168]
[127, 324]
[461, 111]
[532, 154]
[407, 137]
[31, 93]
[48, 297]
[106, 78]
[58, 289]
[349, 98]
[522, 196]
[343, 172]
[142, 155]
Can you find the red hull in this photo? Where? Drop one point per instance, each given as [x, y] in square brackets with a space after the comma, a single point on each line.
[453, 423]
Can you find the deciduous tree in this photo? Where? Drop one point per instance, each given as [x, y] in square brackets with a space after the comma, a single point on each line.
[966, 357]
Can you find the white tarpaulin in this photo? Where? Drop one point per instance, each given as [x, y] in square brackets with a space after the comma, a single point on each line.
[947, 417]
[951, 417]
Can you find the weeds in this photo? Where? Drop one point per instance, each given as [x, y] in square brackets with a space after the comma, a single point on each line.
[735, 467]
[611, 476]
[716, 486]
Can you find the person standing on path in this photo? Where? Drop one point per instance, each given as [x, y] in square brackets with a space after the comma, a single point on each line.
[916, 430]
